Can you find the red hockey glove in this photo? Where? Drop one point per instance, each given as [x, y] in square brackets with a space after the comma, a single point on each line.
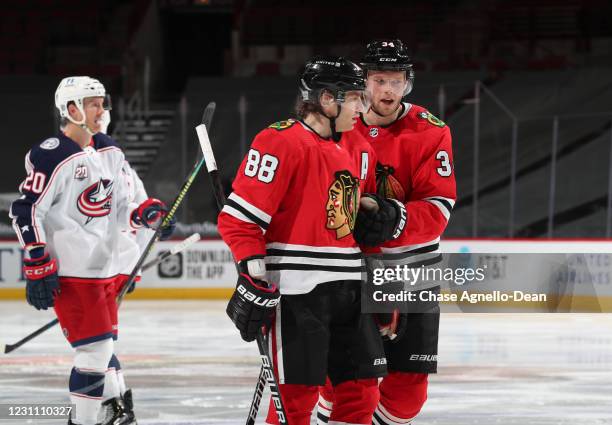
[151, 212]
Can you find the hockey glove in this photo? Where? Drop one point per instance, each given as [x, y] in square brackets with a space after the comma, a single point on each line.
[42, 283]
[392, 326]
[168, 229]
[253, 303]
[383, 223]
[151, 212]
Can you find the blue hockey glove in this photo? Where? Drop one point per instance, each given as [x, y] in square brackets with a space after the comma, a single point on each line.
[42, 283]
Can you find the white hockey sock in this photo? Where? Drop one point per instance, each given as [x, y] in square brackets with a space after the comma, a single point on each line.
[121, 382]
[383, 417]
[111, 384]
[87, 380]
[86, 409]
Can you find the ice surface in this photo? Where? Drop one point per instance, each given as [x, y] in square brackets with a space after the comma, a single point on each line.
[187, 365]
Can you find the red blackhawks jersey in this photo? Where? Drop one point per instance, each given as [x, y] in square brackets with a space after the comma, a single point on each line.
[295, 199]
[415, 166]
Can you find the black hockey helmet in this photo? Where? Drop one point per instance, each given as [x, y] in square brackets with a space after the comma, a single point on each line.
[335, 74]
[389, 55]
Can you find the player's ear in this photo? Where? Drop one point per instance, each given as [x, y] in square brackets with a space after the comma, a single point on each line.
[326, 99]
[74, 112]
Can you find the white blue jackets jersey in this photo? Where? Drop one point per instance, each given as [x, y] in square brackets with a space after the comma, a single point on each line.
[137, 194]
[76, 201]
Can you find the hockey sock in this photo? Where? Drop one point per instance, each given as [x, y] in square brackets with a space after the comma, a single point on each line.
[86, 389]
[299, 402]
[121, 380]
[402, 395]
[355, 402]
[112, 387]
[326, 403]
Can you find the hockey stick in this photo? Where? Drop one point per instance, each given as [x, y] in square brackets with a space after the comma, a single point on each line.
[181, 246]
[266, 367]
[206, 119]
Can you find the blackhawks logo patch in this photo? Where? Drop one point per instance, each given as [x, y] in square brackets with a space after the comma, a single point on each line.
[342, 203]
[282, 125]
[426, 115]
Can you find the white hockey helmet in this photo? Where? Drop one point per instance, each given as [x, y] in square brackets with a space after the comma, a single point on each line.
[75, 89]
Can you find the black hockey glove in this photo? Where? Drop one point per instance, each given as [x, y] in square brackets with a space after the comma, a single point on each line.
[42, 283]
[392, 326]
[253, 303]
[383, 223]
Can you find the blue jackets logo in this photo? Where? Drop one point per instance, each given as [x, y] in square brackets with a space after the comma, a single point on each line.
[96, 200]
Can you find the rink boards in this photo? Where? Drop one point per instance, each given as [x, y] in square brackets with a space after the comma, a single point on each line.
[206, 269]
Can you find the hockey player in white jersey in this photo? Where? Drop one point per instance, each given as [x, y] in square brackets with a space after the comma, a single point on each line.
[118, 404]
[69, 219]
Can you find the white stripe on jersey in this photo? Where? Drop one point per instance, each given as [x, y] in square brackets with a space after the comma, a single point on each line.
[326, 249]
[281, 259]
[237, 214]
[436, 200]
[297, 269]
[291, 282]
[250, 208]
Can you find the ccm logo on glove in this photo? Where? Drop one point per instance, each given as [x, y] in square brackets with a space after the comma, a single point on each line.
[40, 271]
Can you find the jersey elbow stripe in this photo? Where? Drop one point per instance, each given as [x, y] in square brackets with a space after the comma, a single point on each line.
[250, 208]
[445, 205]
[242, 214]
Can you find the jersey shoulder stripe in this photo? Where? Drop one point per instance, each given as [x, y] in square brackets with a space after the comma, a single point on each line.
[102, 141]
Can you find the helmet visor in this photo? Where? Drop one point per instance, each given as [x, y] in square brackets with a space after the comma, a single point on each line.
[107, 105]
[358, 101]
[389, 83]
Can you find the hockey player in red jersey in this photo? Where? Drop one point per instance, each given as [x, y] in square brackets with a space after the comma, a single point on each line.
[289, 223]
[415, 166]
[70, 220]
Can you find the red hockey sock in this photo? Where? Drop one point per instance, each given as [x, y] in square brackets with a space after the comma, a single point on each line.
[355, 401]
[326, 402]
[298, 400]
[402, 395]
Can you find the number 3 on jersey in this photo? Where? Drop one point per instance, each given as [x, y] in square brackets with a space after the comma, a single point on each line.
[261, 166]
[445, 169]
